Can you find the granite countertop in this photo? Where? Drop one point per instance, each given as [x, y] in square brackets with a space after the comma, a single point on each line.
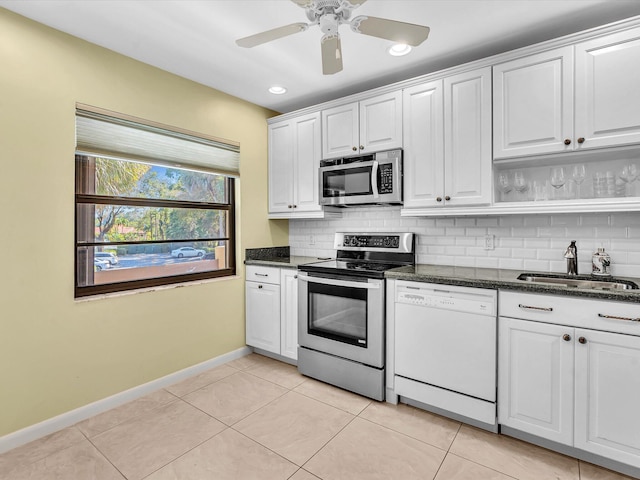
[495, 278]
[276, 257]
[283, 262]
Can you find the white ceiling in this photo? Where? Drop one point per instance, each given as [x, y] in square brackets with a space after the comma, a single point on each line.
[196, 38]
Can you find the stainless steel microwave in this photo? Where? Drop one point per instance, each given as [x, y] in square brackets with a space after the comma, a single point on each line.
[367, 179]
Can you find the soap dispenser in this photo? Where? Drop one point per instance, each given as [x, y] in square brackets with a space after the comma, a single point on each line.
[601, 263]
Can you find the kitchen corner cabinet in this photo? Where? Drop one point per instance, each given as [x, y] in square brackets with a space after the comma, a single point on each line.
[363, 127]
[294, 160]
[568, 372]
[447, 142]
[272, 310]
[569, 99]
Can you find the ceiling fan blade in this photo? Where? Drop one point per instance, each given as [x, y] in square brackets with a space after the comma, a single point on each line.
[331, 55]
[399, 32]
[269, 35]
[303, 3]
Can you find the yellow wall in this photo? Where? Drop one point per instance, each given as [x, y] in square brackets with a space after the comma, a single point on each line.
[57, 354]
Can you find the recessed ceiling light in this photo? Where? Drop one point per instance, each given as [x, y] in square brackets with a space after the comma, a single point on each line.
[277, 90]
[399, 49]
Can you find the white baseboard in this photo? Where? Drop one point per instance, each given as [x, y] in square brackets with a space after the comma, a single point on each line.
[64, 420]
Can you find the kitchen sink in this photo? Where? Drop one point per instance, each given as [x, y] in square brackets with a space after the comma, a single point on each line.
[584, 281]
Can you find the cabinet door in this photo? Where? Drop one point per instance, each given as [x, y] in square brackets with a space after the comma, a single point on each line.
[281, 164]
[608, 395]
[467, 138]
[533, 104]
[340, 131]
[607, 93]
[289, 313]
[381, 123]
[535, 378]
[263, 316]
[307, 162]
[422, 112]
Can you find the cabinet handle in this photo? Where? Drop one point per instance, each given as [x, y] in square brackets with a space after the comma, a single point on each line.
[567, 141]
[530, 307]
[361, 147]
[566, 337]
[261, 274]
[613, 317]
[295, 206]
[355, 149]
[447, 198]
[581, 140]
[259, 286]
[290, 206]
[438, 199]
[582, 340]
[295, 277]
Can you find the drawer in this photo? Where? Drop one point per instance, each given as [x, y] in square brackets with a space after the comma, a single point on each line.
[256, 273]
[609, 316]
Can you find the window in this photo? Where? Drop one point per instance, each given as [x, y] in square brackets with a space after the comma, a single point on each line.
[154, 206]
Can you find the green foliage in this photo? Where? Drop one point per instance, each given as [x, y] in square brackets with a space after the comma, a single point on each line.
[129, 179]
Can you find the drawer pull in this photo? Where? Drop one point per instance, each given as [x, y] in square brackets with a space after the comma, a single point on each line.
[530, 307]
[613, 317]
[261, 274]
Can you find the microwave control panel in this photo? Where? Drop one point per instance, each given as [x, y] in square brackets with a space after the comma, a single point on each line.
[385, 172]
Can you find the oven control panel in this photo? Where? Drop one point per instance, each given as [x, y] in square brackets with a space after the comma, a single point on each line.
[371, 241]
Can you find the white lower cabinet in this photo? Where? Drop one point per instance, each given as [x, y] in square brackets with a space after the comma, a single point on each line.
[535, 378]
[272, 310]
[572, 385]
[289, 313]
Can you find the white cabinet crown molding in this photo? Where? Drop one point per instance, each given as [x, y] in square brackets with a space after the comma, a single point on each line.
[566, 40]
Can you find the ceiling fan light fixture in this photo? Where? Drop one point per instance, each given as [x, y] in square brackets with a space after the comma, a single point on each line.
[277, 90]
[399, 49]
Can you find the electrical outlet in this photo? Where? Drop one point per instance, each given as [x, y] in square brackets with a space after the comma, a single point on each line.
[312, 241]
[489, 242]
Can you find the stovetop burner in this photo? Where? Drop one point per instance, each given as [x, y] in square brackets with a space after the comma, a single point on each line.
[367, 255]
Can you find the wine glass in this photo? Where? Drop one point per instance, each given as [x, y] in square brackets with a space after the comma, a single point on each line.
[504, 185]
[557, 179]
[578, 173]
[629, 174]
[520, 182]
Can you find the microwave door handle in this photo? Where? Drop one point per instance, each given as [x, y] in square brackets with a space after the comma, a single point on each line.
[374, 179]
[339, 283]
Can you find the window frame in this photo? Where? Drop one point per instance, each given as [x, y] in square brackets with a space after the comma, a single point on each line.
[83, 174]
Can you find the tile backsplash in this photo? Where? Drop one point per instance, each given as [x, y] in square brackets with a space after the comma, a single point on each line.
[521, 242]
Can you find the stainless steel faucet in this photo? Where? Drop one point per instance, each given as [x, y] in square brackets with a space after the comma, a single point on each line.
[571, 254]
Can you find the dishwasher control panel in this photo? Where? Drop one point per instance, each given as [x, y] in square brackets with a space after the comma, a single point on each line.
[458, 298]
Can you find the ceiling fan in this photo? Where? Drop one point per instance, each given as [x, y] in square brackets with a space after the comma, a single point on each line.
[329, 15]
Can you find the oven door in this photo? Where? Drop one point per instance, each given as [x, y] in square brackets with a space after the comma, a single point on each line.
[342, 316]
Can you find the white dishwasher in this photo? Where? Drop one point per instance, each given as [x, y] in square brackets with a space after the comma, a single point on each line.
[446, 348]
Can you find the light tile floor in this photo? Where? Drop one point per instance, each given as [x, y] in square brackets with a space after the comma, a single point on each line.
[256, 418]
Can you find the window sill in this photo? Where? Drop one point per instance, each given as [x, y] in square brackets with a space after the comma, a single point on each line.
[103, 296]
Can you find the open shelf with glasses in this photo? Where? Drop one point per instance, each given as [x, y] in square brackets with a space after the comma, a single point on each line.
[584, 179]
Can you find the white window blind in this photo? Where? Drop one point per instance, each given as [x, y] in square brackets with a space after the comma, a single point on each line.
[106, 134]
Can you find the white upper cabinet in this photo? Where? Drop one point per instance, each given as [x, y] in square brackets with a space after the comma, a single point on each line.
[294, 160]
[569, 99]
[423, 115]
[608, 90]
[447, 141]
[467, 138]
[533, 104]
[367, 126]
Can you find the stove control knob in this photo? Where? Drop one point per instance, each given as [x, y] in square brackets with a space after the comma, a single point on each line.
[387, 241]
[395, 242]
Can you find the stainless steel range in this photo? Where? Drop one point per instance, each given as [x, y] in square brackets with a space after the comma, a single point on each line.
[341, 311]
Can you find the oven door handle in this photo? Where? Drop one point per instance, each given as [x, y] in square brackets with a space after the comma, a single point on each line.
[339, 283]
[374, 179]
